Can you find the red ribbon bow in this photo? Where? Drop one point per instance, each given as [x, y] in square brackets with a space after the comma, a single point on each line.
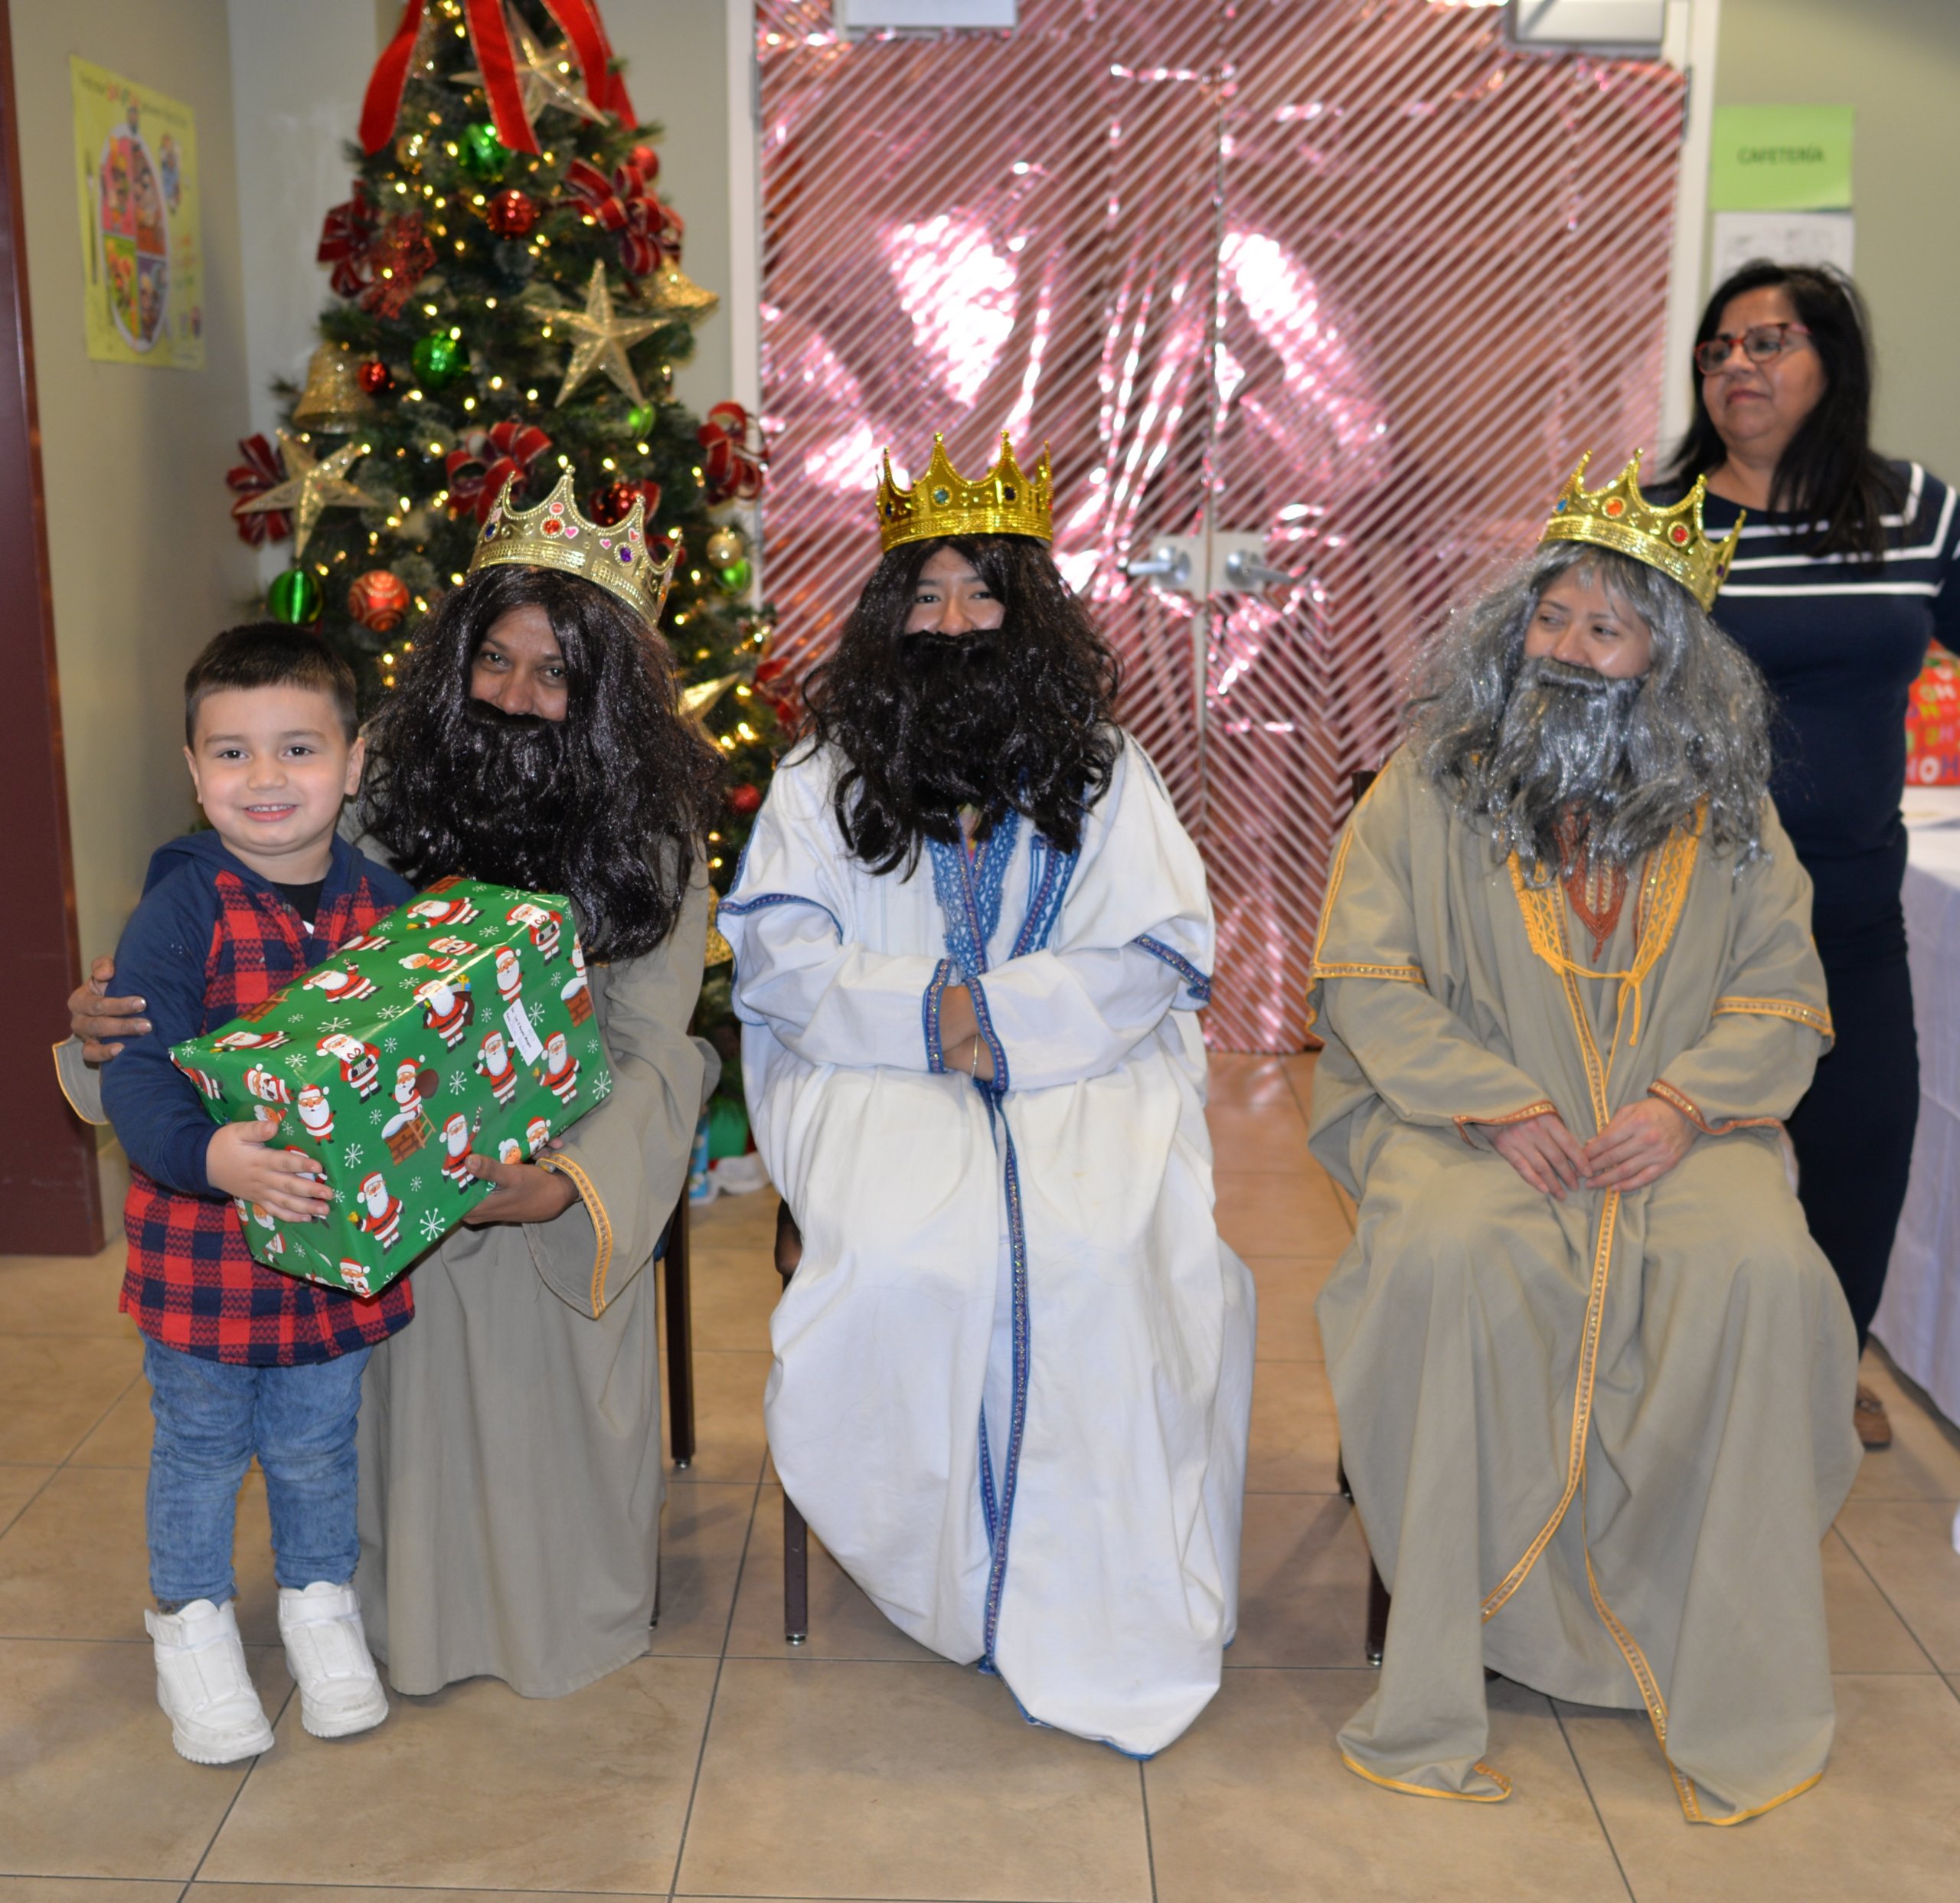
[345, 234]
[649, 233]
[488, 459]
[261, 470]
[733, 455]
[380, 262]
[490, 40]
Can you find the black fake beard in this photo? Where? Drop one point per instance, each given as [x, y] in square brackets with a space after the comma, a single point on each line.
[514, 801]
[962, 743]
[1561, 753]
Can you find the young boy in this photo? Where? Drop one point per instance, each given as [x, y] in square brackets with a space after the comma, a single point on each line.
[243, 1361]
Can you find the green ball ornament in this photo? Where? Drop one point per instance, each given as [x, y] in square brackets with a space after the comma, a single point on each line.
[735, 577]
[480, 153]
[295, 596]
[639, 419]
[440, 359]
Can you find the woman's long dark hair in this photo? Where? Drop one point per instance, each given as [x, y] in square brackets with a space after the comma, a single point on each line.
[1030, 728]
[1829, 471]
[609, 805]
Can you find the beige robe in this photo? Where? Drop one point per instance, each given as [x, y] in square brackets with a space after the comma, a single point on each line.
[1594, 1444]
[511, 1471]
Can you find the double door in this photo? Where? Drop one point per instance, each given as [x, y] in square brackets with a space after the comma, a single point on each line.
[1316, 301]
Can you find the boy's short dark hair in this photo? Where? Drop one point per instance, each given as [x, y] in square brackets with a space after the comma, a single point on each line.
[269, 654]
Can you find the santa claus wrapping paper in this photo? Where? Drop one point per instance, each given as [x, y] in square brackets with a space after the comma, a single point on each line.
[459, 1025]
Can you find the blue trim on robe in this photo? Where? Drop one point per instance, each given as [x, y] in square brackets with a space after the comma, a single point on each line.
[1196, 983]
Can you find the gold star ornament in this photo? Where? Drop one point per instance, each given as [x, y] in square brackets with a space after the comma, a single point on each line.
[313, 483]
[603, 341]
[544, 76]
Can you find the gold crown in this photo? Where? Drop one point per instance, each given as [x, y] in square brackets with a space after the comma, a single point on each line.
[943, 501]
[1618, 516]
[555, 535]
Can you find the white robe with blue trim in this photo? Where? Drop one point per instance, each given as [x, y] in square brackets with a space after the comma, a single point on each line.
[1032, 1269]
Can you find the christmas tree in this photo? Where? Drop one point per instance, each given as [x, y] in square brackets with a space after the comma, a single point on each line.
[508, 302]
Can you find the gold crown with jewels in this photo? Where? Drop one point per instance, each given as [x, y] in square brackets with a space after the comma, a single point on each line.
[1670, 539]
[555, 534]
[943, 502]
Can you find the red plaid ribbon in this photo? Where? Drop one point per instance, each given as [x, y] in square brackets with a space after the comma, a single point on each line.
[487, 460]
[261, 470]
[345, 234]
[649, 233]
[733, 456]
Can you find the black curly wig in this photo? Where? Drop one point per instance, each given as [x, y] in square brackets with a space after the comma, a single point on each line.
[609, 805]
[1018, 718]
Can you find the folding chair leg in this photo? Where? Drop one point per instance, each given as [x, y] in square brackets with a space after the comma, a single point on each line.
[795, 1575]
[1377, 1614]
[680, 1338]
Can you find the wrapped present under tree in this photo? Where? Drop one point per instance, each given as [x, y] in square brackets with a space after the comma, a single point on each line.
[461, 1022]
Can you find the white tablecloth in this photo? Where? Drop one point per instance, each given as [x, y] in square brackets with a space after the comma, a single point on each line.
[1919, 1320]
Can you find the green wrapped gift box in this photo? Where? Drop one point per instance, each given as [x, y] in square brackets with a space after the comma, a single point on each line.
[462, 1021]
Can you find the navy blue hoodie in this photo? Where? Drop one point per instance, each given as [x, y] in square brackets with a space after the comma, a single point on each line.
[174, 955]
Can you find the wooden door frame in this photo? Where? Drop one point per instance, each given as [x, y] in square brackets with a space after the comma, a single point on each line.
[51, 1191]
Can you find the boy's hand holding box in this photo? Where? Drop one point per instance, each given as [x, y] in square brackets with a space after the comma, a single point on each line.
[462, 1023]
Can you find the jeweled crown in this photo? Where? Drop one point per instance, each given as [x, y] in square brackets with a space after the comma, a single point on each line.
[1670, 539]
[943, 502]
[555, 534]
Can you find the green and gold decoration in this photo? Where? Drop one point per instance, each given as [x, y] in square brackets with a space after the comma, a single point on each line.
[460, 1024]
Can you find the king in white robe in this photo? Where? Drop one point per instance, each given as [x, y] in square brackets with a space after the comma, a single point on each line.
[1012, 1372]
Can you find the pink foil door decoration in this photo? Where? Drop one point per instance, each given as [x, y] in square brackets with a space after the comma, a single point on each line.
[1356, 278]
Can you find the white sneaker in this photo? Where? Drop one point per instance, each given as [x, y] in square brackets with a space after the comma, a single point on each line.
[201, 1683]
[326, 1651]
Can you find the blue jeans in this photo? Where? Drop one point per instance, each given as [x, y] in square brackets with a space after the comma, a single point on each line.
[211, 1417]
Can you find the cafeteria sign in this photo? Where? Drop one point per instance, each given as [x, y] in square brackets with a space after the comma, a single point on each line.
[136, 160]
[1780, 159]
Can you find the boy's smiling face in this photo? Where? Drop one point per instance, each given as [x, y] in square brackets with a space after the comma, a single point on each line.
[271, 765]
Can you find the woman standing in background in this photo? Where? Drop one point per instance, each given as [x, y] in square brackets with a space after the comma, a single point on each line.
[1845, 573]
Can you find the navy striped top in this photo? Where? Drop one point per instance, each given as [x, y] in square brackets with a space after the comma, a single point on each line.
[1840, 645]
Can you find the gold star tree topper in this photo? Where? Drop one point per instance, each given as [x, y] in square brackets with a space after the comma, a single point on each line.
[603, 341]
[313, 483]
[544, 77]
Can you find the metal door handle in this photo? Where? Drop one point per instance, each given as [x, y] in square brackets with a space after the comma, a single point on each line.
[1165, 564]
[1244, 570]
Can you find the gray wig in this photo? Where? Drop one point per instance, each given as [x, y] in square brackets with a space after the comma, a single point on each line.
[1694, 728]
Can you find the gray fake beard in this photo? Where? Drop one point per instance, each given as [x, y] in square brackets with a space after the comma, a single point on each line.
[1561, 752]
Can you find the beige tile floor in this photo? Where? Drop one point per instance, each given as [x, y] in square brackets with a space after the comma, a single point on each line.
[728, 1764]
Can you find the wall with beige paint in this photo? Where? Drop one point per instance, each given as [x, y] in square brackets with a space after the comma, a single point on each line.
[1897, 62]
[146, 565]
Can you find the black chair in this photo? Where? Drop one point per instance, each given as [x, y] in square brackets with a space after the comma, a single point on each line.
[672, 1255]
[796, 1534]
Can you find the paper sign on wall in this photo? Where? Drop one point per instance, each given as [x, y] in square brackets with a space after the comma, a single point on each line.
[1783, 237]
[1780, 159]
[136, 160]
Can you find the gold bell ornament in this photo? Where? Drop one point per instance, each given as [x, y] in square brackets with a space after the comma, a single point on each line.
[333, 400]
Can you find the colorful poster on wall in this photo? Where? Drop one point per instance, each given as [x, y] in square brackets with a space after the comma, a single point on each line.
[136, 152]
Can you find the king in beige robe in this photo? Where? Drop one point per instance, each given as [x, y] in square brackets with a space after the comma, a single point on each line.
[1594, 1443]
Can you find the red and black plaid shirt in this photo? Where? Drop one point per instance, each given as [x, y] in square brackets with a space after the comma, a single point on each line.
[191, 1282]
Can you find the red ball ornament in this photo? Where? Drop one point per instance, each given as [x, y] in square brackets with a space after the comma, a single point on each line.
[646, 162]
[611, 502]
[510, 214]
[745, 799]
[378, 600]
[376, 378]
